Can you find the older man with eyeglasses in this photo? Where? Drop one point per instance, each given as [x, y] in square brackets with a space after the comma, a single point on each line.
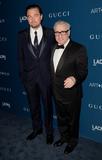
[69, 65]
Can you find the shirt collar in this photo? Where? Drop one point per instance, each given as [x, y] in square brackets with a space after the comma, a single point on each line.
[66, 43]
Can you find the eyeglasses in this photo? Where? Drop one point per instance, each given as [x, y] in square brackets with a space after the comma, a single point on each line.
[62, 33]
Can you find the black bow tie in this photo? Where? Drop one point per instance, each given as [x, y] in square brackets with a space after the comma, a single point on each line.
[60, 46]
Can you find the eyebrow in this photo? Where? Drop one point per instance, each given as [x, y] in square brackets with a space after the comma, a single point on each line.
[62, 31]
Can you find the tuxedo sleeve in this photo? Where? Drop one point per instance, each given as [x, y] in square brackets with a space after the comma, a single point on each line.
[81, 65]
[20, 56]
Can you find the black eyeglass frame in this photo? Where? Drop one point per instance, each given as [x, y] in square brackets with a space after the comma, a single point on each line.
[62, 32]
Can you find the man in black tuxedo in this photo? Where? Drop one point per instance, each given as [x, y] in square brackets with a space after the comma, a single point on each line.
[69, 70]
[34, 49]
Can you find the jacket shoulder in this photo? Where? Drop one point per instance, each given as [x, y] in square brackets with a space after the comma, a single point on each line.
[48, 30]
[23, 31]
[77, 45]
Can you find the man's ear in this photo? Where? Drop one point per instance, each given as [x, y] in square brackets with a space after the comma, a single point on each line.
[42, 17]
[69, 33]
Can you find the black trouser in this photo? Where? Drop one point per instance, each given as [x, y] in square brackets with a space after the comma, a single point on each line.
[68, 115]
[34, 97]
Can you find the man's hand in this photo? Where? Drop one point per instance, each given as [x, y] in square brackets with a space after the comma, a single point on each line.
[69, 82]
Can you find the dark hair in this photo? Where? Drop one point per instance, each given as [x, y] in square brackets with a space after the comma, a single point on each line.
[33, 6]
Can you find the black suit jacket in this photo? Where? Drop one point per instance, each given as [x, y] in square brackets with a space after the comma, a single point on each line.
[30, 66]
[73, 62]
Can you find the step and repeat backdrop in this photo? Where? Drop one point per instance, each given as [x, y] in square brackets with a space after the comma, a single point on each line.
[85, 18]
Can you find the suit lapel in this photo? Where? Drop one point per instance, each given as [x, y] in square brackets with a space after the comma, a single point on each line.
[43, 41]
[52, 66]
[30, 44]
[62, 59]
[31, 49]
[42, 46]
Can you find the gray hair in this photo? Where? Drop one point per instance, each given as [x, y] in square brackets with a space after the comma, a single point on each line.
[61, 22]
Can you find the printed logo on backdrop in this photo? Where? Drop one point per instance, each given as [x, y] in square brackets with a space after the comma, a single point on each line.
[24, 93]
[22, 19]
[3, 57]
[59, 14]
[94, 36]
[3, 39]
[95, 85]
[26, 109]
[6, 74]
[54, 117]
[5, 89]
[97, 62]
[95, 107]
[96, 128]
[95, 11]
[2, 20]
[6, 105]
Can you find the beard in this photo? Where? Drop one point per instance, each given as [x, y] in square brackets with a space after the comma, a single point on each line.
[35, 26]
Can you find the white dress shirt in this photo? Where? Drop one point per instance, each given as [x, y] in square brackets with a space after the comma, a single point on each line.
[39, 34]
[57, 55]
